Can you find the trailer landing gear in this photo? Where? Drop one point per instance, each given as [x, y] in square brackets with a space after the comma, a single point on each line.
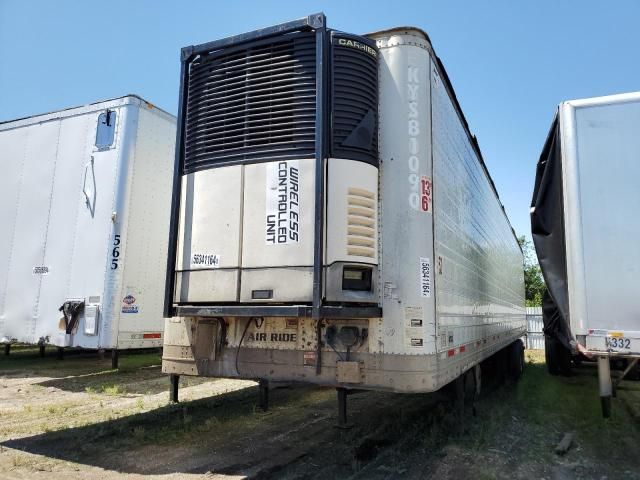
[342, 408]
[114, 359]
[606, 387]
[41, 348]
[263, 394]
[7, 348]
[173, 387]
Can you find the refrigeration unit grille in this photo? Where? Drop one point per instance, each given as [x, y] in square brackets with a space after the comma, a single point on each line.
[252, 103]
[355, 104]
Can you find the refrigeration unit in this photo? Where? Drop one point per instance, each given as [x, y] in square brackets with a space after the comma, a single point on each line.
[333, 220]
[585, 228]
[85, 196]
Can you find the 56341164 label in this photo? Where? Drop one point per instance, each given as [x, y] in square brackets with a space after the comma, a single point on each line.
[205, 260]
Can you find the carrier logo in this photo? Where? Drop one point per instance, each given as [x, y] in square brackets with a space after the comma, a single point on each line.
[129, 300]
[345, 42]
[283, 203]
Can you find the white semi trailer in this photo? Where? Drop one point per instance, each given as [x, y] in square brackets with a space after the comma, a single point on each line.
[84, 200]
[333, 219]
[584, 214]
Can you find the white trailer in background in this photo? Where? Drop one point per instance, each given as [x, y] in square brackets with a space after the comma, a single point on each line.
[586, 227]
[333, 220]
[84, 201]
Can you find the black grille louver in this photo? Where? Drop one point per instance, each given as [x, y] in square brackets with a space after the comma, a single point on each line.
[354, 93]
[252, 103]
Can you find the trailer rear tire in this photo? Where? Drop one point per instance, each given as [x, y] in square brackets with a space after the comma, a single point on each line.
[516, 360]
[606, 406]
[557, 357]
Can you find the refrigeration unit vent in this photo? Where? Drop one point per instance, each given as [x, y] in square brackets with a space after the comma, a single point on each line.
[355, 100]
[361, 223]
[251, 103]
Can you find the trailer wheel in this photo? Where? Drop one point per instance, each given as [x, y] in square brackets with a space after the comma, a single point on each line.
[552, 367]
[557, 357]
[469, 380]
[606, 406]
[516, 360]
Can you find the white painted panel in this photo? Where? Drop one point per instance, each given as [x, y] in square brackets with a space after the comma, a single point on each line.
[22, 308]
[212, 214]
[217, 285]
[13, 146]
[256, 251]
[602, 198]
[278, 227]
[145, 245]
[406, 225]
[67, 201]
[209, 235]
[289, 284]
[92, 239]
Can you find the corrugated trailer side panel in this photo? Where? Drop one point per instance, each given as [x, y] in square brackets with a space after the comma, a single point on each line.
[12, 153]
[478, 265]
[139, 299]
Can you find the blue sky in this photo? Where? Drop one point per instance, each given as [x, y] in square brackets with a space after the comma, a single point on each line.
[510, 62]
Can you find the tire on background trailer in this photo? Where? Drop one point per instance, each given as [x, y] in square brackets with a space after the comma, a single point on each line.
[557, 357]
[605, 403]
[515, 360]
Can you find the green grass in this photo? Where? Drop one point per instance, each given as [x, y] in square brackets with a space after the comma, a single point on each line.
[547, 407]
[76, 362]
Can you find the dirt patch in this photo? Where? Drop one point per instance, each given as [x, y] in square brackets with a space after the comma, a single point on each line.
[76, 422]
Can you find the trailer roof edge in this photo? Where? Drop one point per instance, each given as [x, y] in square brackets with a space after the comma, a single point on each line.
[128, 99]
[452, 95]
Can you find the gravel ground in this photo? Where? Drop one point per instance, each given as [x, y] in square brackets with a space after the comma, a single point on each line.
[77, 419]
